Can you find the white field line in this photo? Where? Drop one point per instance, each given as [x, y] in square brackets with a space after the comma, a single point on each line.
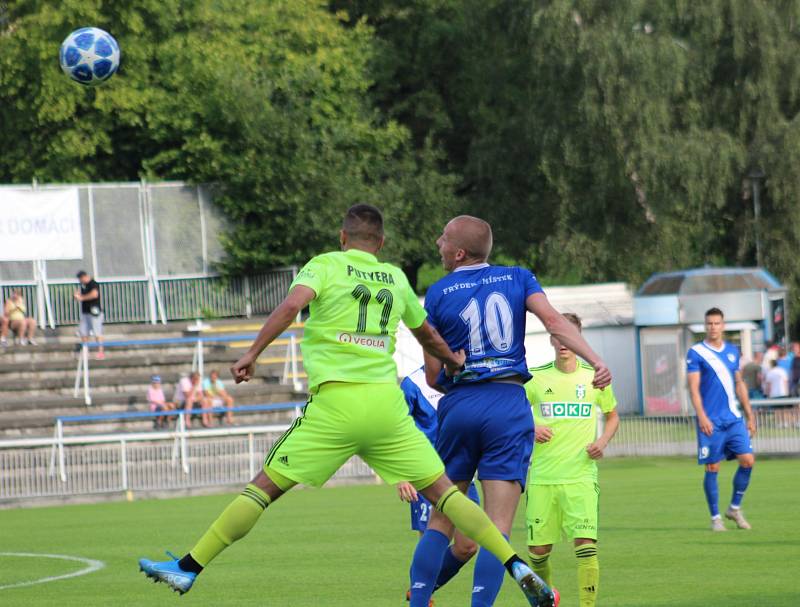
[91, 567]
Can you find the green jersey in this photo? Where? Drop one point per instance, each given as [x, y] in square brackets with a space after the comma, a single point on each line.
[567, 403]
[358, 303]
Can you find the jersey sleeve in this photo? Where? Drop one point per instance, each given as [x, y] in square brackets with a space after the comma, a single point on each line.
[532, 285]
[693, 362]
[312, 275]
[413, 314]
[606, 399]
[412, 395]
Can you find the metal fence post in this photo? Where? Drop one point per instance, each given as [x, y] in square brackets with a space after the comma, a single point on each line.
[87, 394]
[123, 462]
[251, 452]
[248, 303]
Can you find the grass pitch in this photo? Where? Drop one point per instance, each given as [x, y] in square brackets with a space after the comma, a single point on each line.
[352, 546]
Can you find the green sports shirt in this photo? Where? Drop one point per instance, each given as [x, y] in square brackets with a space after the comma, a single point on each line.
[567, 403]
[350, 333]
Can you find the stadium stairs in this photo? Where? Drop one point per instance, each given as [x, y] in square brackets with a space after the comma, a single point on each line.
[37, 382]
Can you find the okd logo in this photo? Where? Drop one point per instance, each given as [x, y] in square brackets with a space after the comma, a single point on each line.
[571, 410]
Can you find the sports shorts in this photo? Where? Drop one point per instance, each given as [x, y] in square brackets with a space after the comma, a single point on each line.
[88, 324]
[486, 427]
[421, 509]
[341, 420]
[556, 512]
[726, 442]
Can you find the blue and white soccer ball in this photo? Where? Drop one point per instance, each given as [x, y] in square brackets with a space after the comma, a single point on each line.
[89, 56]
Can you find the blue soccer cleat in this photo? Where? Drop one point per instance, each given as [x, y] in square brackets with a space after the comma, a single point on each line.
[169, 573]
[539, 594]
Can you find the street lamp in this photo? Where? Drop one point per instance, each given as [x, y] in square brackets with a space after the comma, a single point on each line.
[756, 176]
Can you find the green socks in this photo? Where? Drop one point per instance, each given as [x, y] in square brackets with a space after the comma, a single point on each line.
[470, 520]
[540, 563]
[588, 574]
[233, 524]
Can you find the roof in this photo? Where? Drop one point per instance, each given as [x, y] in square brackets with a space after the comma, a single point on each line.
[709, 280]
[606, 304]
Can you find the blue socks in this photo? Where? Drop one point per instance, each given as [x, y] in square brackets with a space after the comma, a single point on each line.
[712, 492]
[450, 567]
[487, 579]
[426, 565]
[740, 481]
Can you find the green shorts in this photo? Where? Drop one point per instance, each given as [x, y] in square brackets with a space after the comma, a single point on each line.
[341, 420]
[556, 512]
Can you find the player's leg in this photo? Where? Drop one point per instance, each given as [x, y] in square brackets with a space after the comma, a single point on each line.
[710, 451]
[579, 503]
[500, 499]
[309, 452]
[505, 427]
[461, 550]
[233, 524]
[738, 444]
[543, 521]
[402, 452]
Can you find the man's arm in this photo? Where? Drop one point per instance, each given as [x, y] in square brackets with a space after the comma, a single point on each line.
[566, 333]
[744, 399]
[706, 427]
[277, 322]
[595, 450]
[435, 346]
[93, 294]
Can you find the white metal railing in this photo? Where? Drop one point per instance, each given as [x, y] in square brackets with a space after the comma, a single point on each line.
[181, 458]
[144, 461]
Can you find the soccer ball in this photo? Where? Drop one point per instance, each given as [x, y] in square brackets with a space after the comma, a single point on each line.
[89, 56]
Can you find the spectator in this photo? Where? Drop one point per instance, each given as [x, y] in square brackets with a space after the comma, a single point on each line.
[214, 390]
[91, 315]
[777, 381]
[16, 318]
[157, 402]
[188, 393]
[753, 377]
[794, 376]
[786, 359]
[3, 328]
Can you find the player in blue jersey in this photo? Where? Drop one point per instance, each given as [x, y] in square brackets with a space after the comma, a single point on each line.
[422, 404]
[715, 382]
[485, 420]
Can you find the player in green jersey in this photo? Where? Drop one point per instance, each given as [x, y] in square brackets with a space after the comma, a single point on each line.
[355, 406]
[562, 488]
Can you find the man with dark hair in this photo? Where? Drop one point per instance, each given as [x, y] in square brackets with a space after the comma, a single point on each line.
[90, 319]
[355, 406]
[715, 382]
[563, 493]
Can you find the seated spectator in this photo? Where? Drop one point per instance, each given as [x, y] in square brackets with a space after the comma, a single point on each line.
[157, 402]
[17, 319]
[214, 389]
[188, 393]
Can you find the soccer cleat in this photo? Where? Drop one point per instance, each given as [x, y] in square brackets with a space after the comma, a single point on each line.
[169, 573]
[539, 594]
[736, 515]
[717, 524]
[408, 598]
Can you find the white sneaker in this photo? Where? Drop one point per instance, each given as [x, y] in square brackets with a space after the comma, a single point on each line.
[717, 524]
[4, 343]
[736, 515]
[33, 342]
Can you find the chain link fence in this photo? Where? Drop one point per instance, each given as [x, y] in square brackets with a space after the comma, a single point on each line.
[154, 250]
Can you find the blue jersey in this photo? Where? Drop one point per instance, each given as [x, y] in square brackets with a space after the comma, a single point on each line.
[717, 370]
[481, 309]
[422, 403]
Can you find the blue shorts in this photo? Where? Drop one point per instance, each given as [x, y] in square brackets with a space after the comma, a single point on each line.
[487, 428]
[421, 509]
[726, 442]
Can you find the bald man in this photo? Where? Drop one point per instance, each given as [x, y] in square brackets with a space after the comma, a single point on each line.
[485, 420]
